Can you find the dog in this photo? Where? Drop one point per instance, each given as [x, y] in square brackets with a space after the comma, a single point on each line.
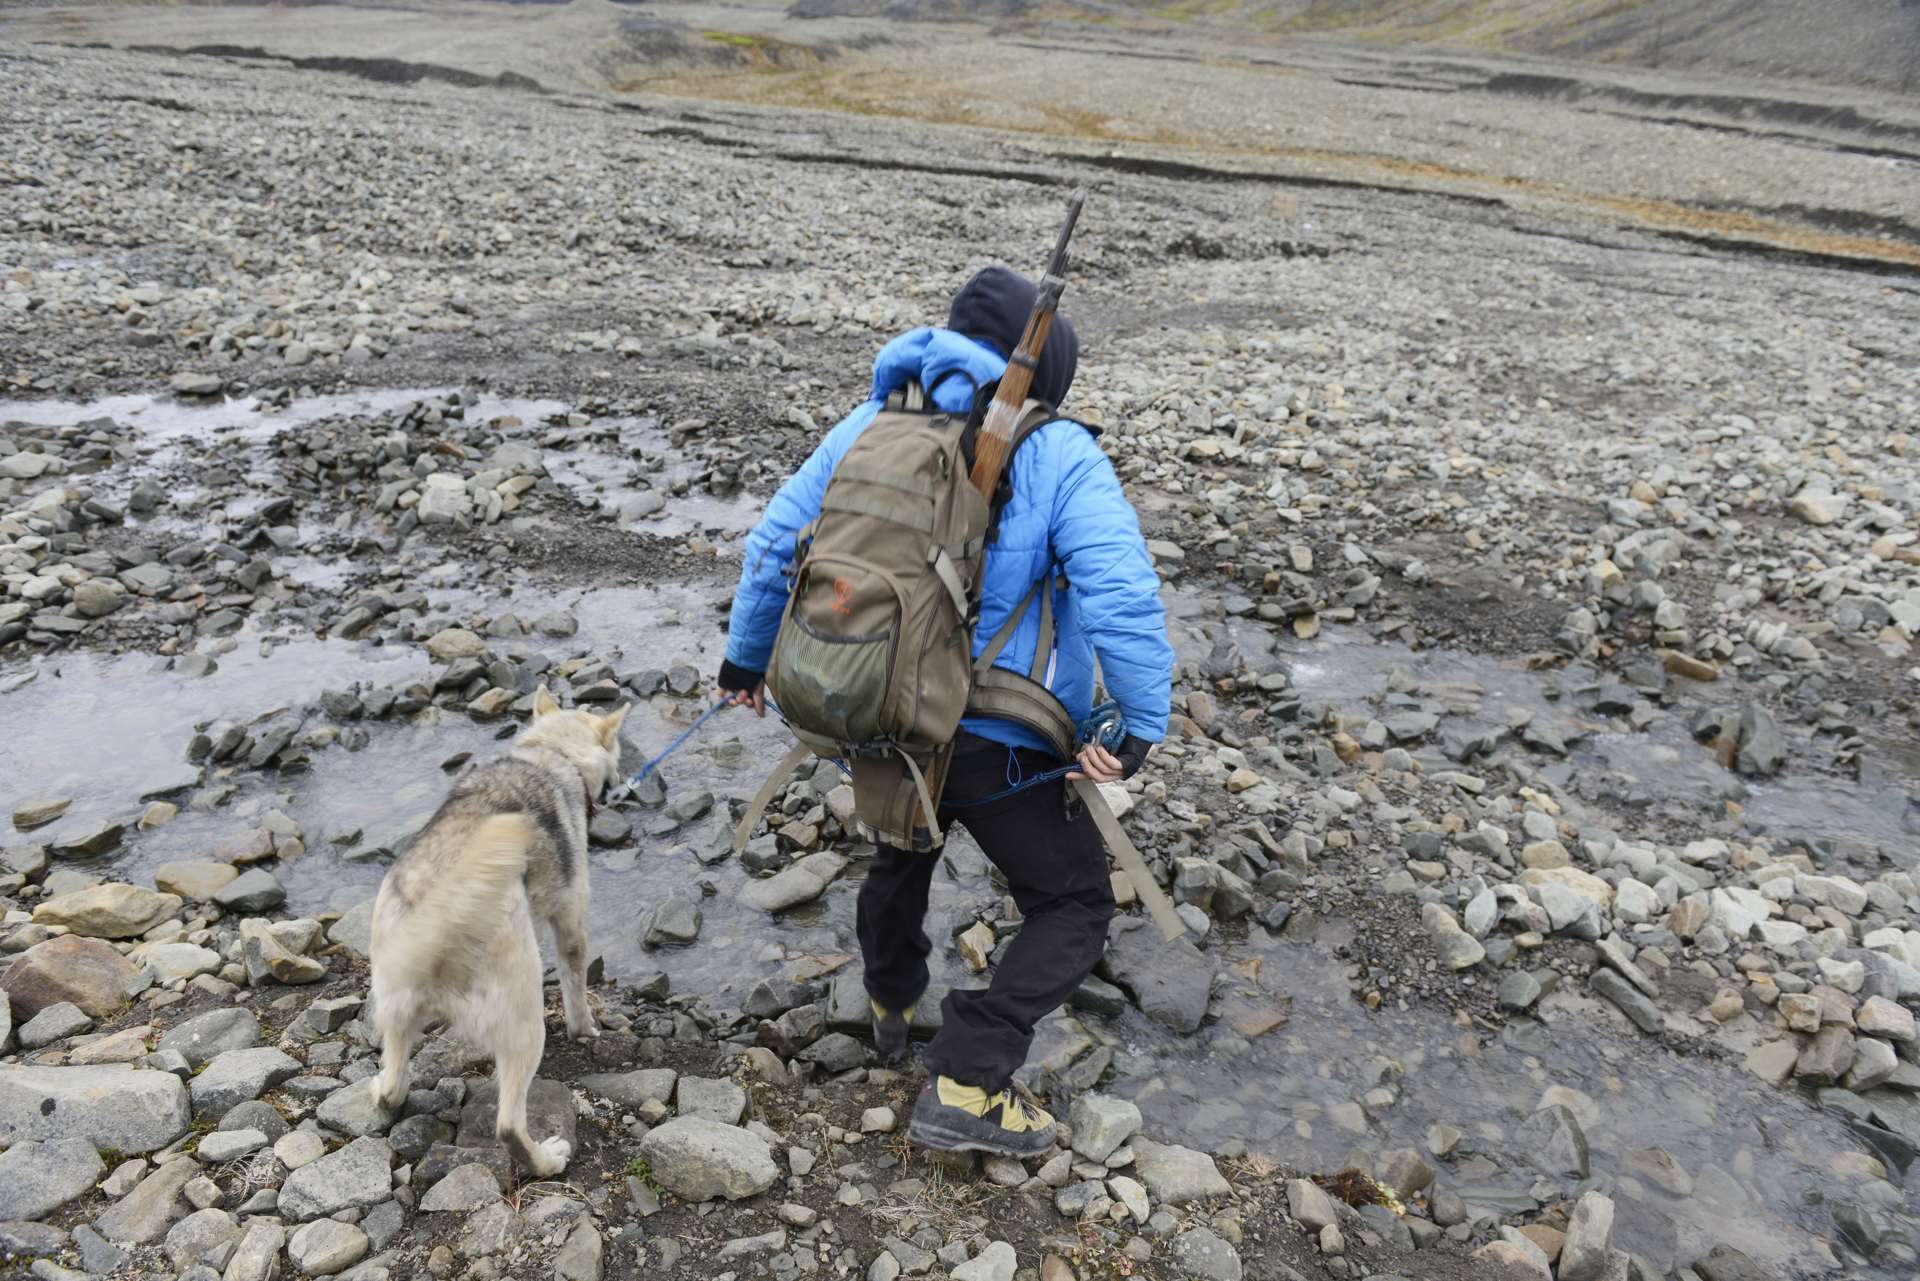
[455, 923]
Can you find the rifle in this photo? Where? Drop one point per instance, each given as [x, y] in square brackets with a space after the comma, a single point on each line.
[1003, 415]
[989, 461]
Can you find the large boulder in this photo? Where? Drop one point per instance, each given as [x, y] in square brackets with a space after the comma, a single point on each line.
[110, 1106]
[699, 1160]
[110, 911]
[85, 971]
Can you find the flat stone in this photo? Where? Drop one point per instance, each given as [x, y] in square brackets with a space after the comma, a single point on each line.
[357, 1175]
[222, 1146]
[206, 1036]
[324, 1247]
[1176, 1175]
[1201, 1255]
[1552, 1141]
[353, 1110]
[110, 911]
[583, 1257]
[1877, 1016]
[675, 922]
[1774, 1061]
[144, 1213]
[455, 642]
[631, 1089]
[721, 1101]
[257, 1256]
[168, 962]
[28, 815]
[1826, 1057]
[37, 1178]
[1101, 1123]
[55, 1023]
[800, 883]
[466, 1188]
[235, 1076]
[699, 1160]
[198, 880]
[117, 1108]
[995, 1263]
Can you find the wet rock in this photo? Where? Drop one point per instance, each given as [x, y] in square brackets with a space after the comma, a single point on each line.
[1170, 982]
[609, 828]
[1518, 991]
[197, 881]
[1760, 750]
[28, 815]
[1728, 1264]
[112, 1107]
[1583, 1255]
[675, 922]
[192, 384]
[355, 1176]
[1201, 1255]
[253, 891]
[455, 642]
[1552, 1141]
[701, 1160]
[1176, 1175]
[111, 911]
[37, 1178]
[803, 882]
[1101, 1123]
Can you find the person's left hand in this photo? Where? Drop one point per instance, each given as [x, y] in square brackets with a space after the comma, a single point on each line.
[1102, 766]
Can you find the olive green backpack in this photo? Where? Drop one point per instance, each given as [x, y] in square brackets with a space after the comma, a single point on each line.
[873, 664]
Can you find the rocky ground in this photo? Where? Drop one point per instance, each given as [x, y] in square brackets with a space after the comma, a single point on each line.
[1538, 801]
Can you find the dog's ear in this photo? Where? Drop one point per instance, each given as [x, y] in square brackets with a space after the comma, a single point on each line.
[609, 725]
[543, 703]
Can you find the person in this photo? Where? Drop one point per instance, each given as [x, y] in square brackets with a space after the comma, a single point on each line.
[1065, 516]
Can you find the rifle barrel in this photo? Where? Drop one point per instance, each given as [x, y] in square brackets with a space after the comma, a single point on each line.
[1075, 203]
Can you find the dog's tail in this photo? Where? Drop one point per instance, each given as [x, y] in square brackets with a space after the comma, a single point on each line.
[460, 910]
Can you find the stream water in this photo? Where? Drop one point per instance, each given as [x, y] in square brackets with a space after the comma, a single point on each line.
[1759, 1167]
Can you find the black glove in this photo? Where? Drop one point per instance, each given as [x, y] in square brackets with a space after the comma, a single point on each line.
[1132, 755]
[738, 680]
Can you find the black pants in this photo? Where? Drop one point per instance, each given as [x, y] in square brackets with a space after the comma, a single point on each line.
[1057, 869]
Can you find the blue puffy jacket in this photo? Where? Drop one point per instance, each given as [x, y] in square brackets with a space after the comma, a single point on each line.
[1066, 513]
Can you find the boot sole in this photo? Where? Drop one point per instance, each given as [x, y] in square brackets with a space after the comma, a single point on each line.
[940, 1139]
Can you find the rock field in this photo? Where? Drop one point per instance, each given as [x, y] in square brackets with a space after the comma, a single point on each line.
[1540, 796]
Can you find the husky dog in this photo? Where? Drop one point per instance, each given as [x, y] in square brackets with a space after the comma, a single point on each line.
[454, 926]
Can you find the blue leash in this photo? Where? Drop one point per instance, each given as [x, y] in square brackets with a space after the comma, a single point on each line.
[1104, 725]
[677, 743]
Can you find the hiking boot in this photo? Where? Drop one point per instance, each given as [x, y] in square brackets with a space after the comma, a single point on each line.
[951, 1117]
[890, 1031]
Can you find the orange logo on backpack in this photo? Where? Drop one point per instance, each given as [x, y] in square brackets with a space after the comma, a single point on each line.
[843, 595]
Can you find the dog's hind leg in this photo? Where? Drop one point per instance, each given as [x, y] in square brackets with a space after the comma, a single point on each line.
[518, 1034]
[570, 941]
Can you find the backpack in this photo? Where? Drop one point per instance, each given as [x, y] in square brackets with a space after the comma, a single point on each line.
[873, 663]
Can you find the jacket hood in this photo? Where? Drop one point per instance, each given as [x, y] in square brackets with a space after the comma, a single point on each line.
[949, 365]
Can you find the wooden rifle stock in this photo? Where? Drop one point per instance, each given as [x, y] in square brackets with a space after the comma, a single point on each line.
[1003, 415]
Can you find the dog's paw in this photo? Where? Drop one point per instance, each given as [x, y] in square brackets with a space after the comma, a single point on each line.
[590, 1032]
[551, 1156]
